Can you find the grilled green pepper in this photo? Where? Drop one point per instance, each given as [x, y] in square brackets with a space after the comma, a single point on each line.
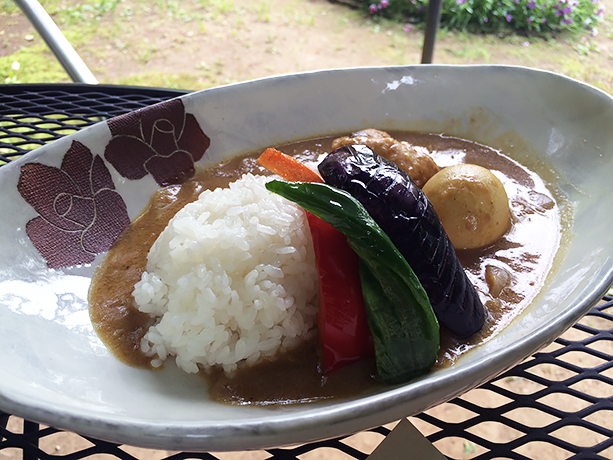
[404, 328]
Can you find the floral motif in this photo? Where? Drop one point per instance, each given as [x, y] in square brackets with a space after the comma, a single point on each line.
[161, 140]
[80, 212]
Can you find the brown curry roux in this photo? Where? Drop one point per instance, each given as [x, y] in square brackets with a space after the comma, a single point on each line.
[526, 251]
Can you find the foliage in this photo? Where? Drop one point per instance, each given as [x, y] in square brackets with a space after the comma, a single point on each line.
[8, 6]
[12, 75]
[32, 64]
[494, 16]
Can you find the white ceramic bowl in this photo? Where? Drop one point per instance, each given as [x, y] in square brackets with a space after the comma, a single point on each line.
[54, 369]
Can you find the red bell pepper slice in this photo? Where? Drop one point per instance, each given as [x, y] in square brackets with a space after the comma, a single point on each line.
[343, 326]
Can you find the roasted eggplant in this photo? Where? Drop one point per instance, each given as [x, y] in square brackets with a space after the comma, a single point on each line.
[404, 213]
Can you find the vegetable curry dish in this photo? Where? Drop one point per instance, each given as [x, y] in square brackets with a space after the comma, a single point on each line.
[328, 268]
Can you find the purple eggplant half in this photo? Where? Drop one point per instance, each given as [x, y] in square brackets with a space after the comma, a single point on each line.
[403, 212]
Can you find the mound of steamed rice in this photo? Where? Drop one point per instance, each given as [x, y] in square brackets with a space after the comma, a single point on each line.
[232, 279]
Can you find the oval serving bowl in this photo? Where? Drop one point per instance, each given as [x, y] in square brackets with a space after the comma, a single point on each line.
[65, 203]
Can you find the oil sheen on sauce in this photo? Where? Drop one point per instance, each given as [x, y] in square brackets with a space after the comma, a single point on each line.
[526, 252]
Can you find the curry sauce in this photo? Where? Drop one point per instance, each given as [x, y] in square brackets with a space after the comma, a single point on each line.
[525, 253]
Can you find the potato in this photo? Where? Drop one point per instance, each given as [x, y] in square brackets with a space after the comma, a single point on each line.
[471, 203]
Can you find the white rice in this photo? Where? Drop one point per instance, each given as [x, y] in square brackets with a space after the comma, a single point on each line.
[230, 280]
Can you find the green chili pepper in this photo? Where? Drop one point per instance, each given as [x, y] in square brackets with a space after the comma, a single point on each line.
[403, 325]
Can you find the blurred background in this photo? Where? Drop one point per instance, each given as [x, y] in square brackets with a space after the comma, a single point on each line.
[197, 44]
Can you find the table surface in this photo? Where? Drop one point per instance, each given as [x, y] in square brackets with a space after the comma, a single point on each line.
[566, 396]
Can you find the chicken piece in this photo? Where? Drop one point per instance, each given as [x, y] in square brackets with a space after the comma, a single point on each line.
[418, 165]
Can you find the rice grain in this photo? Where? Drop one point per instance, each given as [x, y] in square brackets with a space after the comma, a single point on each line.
[230, 280]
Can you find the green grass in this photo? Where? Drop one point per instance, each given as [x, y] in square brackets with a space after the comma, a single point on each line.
[36, 65]
[99, 28]
[185, 81]
[86, 12]
[8, 6]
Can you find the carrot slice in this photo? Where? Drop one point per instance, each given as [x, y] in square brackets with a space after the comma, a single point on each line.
[287, 167]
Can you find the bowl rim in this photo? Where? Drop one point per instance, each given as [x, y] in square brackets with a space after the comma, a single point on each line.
[191, 435]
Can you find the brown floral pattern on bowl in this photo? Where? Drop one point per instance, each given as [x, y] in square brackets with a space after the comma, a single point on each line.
[161, 140]
[80, 212]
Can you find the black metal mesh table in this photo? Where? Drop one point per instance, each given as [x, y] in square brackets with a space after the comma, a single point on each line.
[556, 405]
